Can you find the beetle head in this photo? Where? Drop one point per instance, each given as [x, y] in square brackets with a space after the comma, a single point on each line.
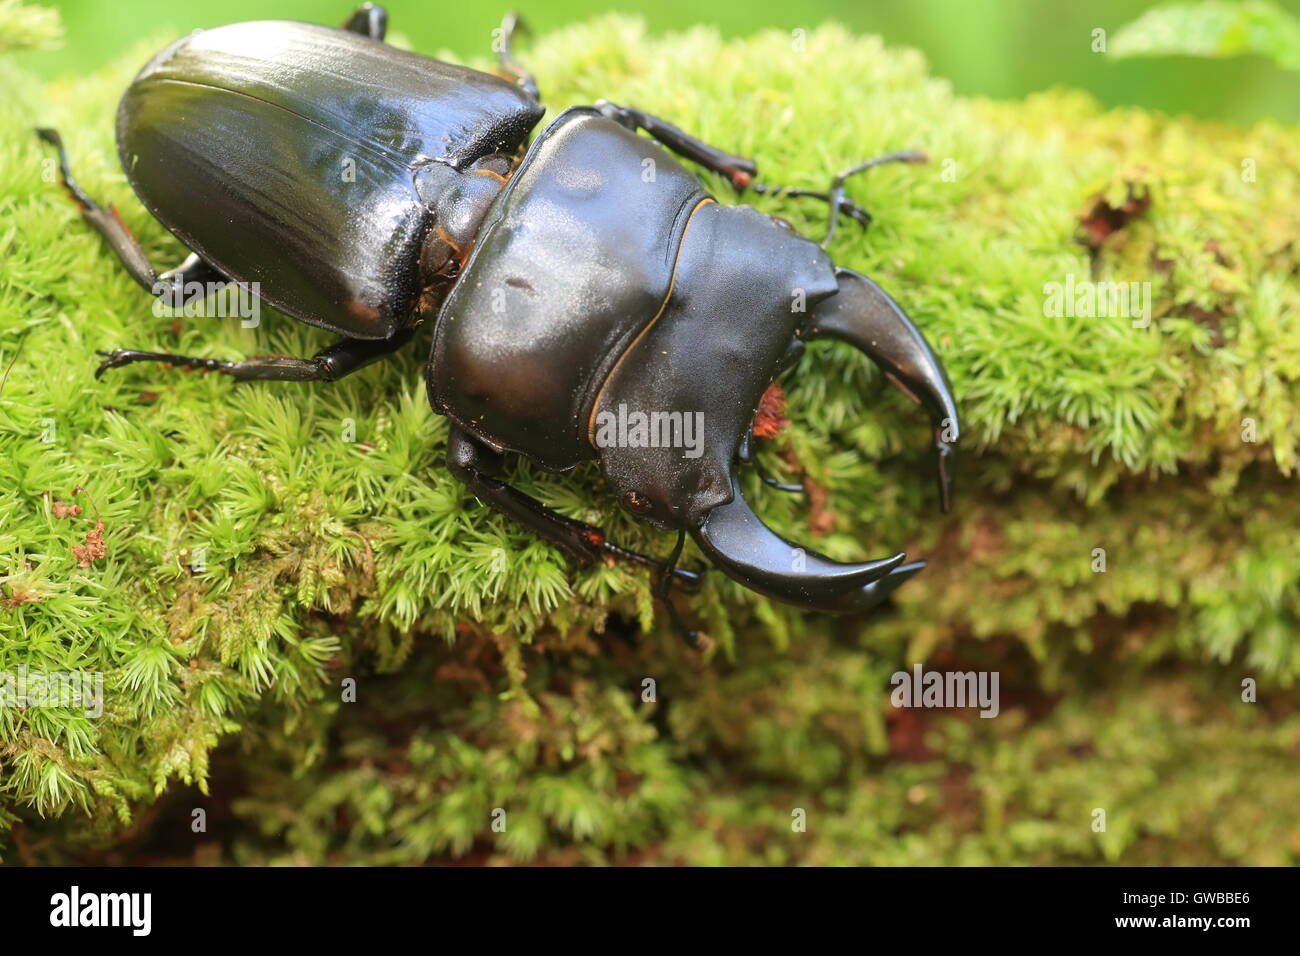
[678, 406]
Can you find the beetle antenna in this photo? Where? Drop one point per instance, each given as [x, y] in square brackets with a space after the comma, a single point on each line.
[836, 193]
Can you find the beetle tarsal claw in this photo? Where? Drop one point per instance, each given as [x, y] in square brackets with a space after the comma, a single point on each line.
[864, 316]
[745, 549]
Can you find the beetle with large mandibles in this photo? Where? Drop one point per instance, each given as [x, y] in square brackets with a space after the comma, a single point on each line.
[562, 282]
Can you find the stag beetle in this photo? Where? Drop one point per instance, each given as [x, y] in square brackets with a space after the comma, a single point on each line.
[565, 285]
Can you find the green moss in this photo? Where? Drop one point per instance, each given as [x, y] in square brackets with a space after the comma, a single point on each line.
[491, 675]
[25, 27]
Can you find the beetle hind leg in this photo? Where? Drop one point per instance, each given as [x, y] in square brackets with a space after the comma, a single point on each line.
[108, 224]
[517, 74]
[370, 20]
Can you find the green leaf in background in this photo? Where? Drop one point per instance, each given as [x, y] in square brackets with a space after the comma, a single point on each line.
[1213, 28]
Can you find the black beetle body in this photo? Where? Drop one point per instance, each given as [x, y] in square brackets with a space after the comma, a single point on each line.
[364, 189]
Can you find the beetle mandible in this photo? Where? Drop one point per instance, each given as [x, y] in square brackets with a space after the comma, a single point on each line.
[562, 287]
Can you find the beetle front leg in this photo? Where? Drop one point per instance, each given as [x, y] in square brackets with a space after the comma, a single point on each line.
[328, 365]
[738, 169]
[741, 171]
[475, 464]
[664, 585]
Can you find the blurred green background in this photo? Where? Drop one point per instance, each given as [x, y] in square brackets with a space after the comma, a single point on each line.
[999, 48]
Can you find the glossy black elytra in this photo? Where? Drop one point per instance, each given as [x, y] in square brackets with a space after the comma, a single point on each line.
[566, 285]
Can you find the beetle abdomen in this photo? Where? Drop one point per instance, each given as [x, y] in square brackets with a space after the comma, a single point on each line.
[285, 154]
[574, 260]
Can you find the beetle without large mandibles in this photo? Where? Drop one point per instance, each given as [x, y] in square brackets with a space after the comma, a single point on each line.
[564, 284]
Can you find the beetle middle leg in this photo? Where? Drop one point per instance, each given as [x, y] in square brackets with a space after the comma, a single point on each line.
[475, 465]
[328, 365]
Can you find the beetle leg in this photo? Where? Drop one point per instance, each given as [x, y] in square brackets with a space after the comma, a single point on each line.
[106, 222]
[474, 463]
[511, 25]
[370, 20]
[328, 365]
[738, 169]
[747, 454]
[741, 171]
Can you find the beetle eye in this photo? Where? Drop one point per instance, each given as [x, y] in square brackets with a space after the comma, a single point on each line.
[637, 503]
